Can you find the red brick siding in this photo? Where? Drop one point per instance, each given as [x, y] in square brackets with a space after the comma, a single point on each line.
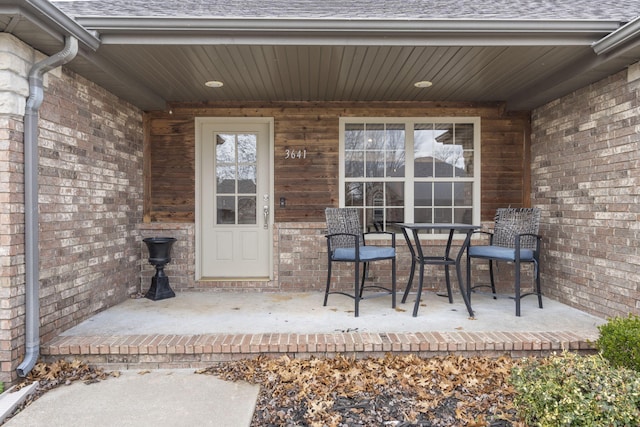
[11, 244]
[90, 195]
[90, 201]
[585, 178]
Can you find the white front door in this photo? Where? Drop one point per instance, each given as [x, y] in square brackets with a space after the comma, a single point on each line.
[233, 200]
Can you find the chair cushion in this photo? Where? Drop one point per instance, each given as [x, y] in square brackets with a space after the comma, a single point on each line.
[367, 253]
[500, 253]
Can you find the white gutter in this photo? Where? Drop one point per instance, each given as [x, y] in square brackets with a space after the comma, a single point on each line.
[268, 31]
[49, 19]
[625, 34]
[32, 238]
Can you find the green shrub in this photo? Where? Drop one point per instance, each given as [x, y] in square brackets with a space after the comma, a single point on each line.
[619, 341]
[569, 390]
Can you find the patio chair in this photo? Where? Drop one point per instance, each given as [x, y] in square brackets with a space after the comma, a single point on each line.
[346, 243]
[514, 239]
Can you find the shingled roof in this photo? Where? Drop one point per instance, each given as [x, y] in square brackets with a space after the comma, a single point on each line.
[616, 10]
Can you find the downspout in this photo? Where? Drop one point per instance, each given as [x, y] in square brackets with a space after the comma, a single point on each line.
[31, 218]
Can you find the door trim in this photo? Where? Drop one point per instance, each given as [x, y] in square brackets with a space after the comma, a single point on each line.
[200, 122]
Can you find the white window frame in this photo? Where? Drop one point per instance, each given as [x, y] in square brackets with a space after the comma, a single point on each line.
[410, 123]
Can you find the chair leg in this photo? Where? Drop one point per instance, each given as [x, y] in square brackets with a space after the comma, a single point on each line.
[517, 286]
[393, 283]
[469, 278]
[448, 280]
[538, 289]
[493, 282]
[419, 294]
[410, 282]
[365, 269]
[356, 294]
[326, 292]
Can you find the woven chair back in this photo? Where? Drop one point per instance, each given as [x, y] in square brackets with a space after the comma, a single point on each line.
[343, 220]
[510, 222]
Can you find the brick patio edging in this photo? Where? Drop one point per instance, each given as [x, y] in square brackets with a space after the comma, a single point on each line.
[198, 351]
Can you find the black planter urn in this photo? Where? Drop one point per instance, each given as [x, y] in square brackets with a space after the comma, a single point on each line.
[159, 256]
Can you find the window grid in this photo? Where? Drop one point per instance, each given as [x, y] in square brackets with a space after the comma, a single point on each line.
[410, 170]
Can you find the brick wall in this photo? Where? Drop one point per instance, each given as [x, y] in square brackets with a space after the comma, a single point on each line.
[90, 146]
[585, 178]
[90, 201]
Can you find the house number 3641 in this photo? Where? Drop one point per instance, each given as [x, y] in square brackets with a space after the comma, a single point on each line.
[295, 154]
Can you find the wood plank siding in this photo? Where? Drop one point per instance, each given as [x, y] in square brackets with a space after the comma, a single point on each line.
[311, 184]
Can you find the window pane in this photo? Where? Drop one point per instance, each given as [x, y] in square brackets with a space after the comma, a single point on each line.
[375, 164]
[226, 179]
[395, 152]
[354, 164]
[247, 146]
[465, 166]
[423, 167]
[443, 215]
[442, 194]
[374, 194]
[422, 215]
[463, 216]
[423, 146]
[247, 179]
[225, 148]
[246, 210]
[444, 159]
[225, 210]
[395, 215]
[422, 194]
[374, 219]
[374, 137]
[394, 193]
[463, 193]
[354, 136]
[354, 194]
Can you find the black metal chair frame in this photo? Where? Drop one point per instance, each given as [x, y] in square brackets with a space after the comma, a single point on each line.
[352, 239]
[515, 228]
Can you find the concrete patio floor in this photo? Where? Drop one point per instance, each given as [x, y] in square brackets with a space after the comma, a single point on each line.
[197, 328]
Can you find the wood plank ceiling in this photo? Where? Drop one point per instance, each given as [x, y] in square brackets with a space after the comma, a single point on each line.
[339, 73]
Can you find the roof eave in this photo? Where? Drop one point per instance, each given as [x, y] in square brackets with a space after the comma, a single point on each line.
[162, 30]
[51, 20]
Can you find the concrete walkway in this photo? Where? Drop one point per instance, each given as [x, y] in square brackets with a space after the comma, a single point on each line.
[144, 398]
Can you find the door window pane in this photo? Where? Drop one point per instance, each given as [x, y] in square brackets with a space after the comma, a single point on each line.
[247, 179]
[225, 148]
[225, 210]
[247, 146]
[247, 210]
[225, 179]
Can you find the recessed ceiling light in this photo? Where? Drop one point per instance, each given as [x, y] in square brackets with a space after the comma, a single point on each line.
[214, 83]
[423, 83]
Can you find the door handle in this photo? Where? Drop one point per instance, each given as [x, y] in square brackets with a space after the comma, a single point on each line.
[265, 211]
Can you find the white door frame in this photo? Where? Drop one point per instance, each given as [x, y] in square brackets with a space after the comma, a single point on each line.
[199, 123]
